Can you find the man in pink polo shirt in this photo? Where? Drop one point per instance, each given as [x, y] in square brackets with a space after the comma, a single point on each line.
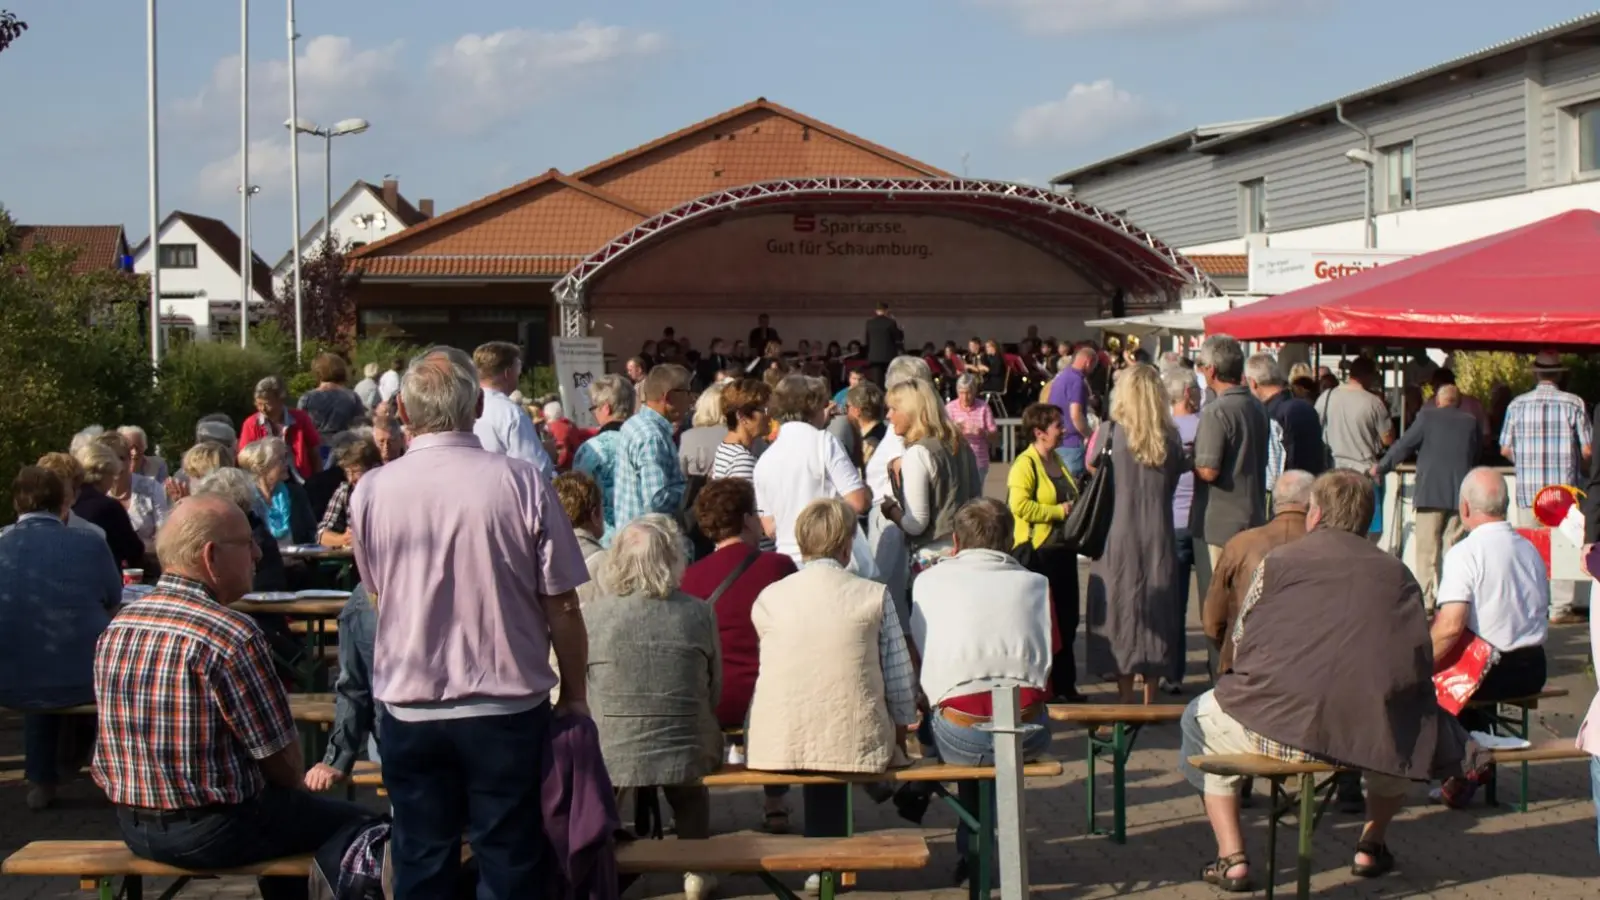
[475, 571]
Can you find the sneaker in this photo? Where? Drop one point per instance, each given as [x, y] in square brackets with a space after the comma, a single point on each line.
[1568, 618]
[699, 887]
[40, 796]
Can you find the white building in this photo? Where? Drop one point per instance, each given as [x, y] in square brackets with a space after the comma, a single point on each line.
[1477, 145]
[200, 279]
[363, 214]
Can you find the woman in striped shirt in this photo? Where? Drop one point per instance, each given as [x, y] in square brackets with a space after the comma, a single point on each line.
[744, 408]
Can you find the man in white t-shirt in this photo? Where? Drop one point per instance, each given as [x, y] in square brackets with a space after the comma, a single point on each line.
[1495, 585]
[804, 464]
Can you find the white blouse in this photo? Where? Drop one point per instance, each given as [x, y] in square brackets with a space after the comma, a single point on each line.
[147, 508]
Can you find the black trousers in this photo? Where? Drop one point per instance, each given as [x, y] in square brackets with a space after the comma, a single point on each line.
[1059, 564]
[1517, 674]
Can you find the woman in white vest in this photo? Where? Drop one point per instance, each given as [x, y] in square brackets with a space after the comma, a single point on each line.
[835, 689]
[981, 621]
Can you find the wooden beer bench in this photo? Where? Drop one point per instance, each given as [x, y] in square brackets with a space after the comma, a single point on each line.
[1276, 772]
[98, 864]
[973, 802]
[1125, 723]
[1516, 723]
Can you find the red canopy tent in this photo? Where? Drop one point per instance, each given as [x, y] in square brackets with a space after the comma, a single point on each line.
[1536, 285]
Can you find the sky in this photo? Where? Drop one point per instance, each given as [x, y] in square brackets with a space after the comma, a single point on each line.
[470, 96]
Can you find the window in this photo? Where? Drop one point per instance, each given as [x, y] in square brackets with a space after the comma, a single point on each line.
[1253, 205]
[178, 256]
[1588, 138]
[1400, 176]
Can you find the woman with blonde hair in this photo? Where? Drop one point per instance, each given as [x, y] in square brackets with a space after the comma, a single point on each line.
[1133, 588]
[937, 474]
[287, 511]
[101, 469]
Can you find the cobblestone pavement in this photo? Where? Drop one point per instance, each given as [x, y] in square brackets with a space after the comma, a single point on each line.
[1550, 851]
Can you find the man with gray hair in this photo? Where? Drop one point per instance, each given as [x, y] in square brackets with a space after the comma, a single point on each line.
[1298, 429]
[1495, 585]
[1230, 458]
[649, 478]
[1445, 441]
[476, 569]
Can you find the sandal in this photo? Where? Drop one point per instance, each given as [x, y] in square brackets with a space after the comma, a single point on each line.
[1384, 860]
[775, 821]
[1217, 873]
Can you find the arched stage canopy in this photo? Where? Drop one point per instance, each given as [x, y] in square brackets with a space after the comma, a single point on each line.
[1109, 255]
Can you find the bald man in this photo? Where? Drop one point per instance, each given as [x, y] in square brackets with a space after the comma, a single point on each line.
[196, 748]
[1446, 442]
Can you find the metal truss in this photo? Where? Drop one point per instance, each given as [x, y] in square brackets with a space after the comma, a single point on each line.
[1140, 254]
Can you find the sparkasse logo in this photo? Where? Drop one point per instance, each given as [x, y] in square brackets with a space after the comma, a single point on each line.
[805, 223]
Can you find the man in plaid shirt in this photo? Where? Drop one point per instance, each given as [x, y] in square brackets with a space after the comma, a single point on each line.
[649, 478]
[1549, 439]
[196, 745]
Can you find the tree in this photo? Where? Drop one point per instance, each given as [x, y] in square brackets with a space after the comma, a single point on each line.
[327, 298]
[11, 28]
[71, 351]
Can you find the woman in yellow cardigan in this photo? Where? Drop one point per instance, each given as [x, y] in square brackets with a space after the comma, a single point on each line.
[1041, 493]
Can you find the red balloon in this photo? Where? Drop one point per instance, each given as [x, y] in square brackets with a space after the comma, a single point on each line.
[1551, 505]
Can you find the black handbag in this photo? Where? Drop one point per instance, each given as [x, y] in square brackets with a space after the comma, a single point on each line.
[1036, 559]
[1088, 525]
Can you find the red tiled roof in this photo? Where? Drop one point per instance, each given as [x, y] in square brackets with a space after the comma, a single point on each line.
[1218, 266]
[100, 247]
[553, 215]
[480, 266]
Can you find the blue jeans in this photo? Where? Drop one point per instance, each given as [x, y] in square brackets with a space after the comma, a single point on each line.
[479, 776]
[1073, 458]
[963, 746]
[1594, 783]
[277, 822]
[1185, 553]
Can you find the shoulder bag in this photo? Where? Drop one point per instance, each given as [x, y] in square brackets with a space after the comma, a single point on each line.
[750, 557]
[1025, 552]
[1088, 525]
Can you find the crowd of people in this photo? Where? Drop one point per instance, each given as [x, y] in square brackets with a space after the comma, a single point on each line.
[806, 561]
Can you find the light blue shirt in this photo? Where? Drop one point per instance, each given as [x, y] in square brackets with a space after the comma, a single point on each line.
[505, 428]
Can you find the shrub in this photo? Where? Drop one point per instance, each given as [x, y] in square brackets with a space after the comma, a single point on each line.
[1477, 372]
[199, 379]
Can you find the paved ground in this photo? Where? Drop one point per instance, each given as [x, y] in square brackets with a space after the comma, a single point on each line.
[1548, 852]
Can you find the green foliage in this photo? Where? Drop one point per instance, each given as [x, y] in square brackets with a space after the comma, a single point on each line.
[380, 350]
[537, 382]
[328, 307]
[71, 352]
[1477, 372]
[198, 379]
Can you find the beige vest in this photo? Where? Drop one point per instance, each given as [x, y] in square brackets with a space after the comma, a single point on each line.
[819, 701]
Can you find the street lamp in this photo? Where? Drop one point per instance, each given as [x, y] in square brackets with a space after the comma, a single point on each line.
[247, 258]
[338, 129]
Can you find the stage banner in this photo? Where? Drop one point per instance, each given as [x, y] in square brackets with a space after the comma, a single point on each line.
[579, 361]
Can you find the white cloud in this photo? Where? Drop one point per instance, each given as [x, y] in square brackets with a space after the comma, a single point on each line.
[333, 80]
[1086, 114]
[269, 169]
[484, 79]
[1077, 16]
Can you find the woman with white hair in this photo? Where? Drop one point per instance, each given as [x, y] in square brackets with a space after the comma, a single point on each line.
[697, 447]
[141, 496]
[239, 488]
[975, 420]
[367, 387]
[143, 463]
[655, 677]
[101, 469]
[286, 510]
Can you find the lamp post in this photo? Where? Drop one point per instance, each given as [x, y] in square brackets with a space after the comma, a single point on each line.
[246, 266]
[338, 129]
[294, 190]
[155, 187]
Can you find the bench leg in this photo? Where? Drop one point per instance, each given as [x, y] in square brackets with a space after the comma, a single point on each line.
[1119, 748]
[1308, 823]
[972, 805]
[1522, 798]
[1088, 784]
[1274, 813]
[782, 892]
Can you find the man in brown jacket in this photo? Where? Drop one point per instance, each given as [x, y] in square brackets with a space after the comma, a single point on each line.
[1244, 551]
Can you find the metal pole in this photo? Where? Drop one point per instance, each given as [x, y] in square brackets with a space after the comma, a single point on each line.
[1006, 730]
[245, 269]
[327, 190]
[294, 189]
[155, 188]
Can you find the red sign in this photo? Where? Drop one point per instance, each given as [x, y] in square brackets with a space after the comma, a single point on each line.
[805, 222]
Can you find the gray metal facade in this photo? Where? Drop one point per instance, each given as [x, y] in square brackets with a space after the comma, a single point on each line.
[1487, 129]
